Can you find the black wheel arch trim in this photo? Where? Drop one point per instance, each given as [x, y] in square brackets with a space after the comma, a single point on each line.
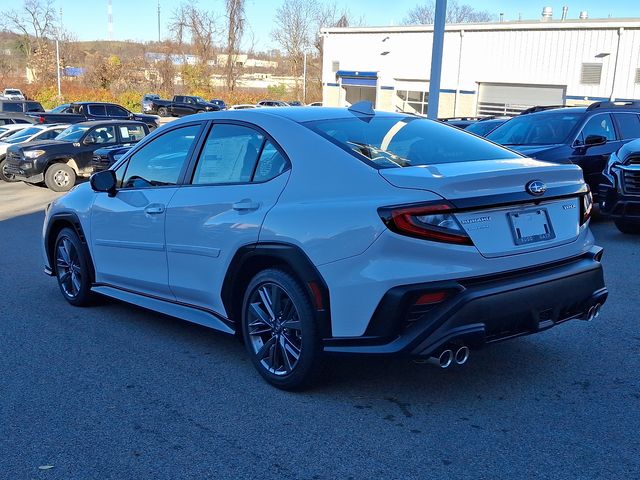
[296, 260]
[66, 219]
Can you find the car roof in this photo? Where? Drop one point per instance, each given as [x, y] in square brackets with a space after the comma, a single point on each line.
[94, 123]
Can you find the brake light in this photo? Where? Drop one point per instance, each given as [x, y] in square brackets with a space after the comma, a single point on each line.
[435, 222]
[431, 298]
[586, 205]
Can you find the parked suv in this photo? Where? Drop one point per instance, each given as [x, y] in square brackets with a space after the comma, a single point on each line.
[58, 163]
[585, 136]
[309, 230]
[620, 190]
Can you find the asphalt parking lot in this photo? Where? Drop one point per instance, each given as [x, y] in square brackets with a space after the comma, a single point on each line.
[115, 391]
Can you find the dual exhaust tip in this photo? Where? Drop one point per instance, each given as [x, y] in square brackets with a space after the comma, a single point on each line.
[449, 356]
[594, 312]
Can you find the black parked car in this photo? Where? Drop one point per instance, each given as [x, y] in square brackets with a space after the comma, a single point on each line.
[585, 136]
[486, 125]
[104, 157]
[620, 191]
[87, 111]
[182, 105]
[59, 162]
[219, 102]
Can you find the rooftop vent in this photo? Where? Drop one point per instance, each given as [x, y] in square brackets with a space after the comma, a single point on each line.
[547, 14]
[584, 15]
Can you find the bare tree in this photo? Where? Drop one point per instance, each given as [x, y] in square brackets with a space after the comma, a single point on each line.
[235, 29]
[195, 30]
[36, 24]
[456, 13]
[294, 32]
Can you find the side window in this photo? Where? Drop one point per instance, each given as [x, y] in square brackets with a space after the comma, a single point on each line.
[49, 134]
[270, 165]
[12, 107]
[131, 133]
[628, 125]
[178, 99]
[116, 111]
[97, 110]
[33, 107]
[102, 135]
[598, 125]
[229, 155]
[160, 162]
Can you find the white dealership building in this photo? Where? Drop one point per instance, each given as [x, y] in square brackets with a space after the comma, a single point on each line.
[488, 68]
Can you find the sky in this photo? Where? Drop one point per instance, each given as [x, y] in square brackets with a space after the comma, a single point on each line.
[137, 19]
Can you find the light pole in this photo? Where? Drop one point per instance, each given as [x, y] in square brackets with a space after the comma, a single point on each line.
[304, 79]
[436, 58]
[58, 68]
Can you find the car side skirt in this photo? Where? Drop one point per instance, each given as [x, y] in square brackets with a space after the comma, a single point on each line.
[183, 311]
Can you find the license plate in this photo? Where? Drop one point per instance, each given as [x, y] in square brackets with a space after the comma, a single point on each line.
[531, 226]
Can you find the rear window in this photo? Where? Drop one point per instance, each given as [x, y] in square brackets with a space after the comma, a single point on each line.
[387, 142]
[12, 107]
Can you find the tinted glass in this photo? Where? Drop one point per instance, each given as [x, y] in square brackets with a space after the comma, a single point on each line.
[60, 109]
[12, 107]
[598, 125]
[50, 134]
[406, 141]
[22, 135]
[98, 110]
[13, 92]
[160, 162]
[131, 133]
[536, 129]
[102, 135]
[483, 128]
[229, 155]
[116, 111]
[34, 107]
[629, 125]
[270, 165]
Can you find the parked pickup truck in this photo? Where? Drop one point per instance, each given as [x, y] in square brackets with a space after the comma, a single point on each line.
[182, 105]
[88, 111]
[59, 162]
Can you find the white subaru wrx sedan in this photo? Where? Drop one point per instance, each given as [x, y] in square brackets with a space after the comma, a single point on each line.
[309, 231]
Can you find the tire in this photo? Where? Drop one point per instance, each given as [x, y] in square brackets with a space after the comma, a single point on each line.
[73, 268]
[5, 177]
[163, 112]
[60, 177]
[290, 357]
[628, 227]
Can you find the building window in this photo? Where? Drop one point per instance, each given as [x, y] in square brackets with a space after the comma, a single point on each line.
[591, 73]
[410, 101]
[638, 76]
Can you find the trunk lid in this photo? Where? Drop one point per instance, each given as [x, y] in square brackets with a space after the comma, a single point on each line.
[510, 221]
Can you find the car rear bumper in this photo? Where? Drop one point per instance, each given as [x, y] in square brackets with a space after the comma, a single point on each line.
[480, 310]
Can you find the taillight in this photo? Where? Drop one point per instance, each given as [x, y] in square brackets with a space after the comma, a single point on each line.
[435, 222]
[586, 205]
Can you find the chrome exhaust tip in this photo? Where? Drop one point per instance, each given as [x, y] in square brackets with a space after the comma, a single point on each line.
[444, 360]
[462, 355]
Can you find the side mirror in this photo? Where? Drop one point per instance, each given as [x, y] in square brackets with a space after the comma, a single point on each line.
[90, 140]
[594, 140]
[104, 181]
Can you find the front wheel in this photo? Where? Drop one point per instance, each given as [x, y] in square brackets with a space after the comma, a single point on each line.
[279, 330]
[5, 176]
[73, 268]
[163, 112]
[626, 226]
[60, 177]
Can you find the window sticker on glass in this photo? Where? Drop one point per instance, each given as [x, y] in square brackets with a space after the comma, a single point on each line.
[124, 132]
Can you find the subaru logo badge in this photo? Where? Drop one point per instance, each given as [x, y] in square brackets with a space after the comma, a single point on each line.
[536, 187]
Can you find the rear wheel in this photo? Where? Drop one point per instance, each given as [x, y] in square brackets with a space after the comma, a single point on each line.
[163, 112]
[72, 268]
[279, 330]
[60, 177]
[7, 177]
[627, 226]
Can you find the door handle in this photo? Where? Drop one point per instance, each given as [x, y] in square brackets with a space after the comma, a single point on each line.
[245, 205]
[154, 209]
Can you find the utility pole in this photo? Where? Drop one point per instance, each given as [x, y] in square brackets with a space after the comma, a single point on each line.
[436, 58]
[158, 21]
[304, 79]
[58, 68]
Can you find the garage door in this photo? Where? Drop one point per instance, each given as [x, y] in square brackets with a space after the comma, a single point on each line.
[511, 99]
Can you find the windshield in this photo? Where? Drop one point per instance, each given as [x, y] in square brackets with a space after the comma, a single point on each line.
[389, 142]
[22, 135]
[200, 100]
[72, 134]
[483, 128]
[536, 129]
[12, 92]
[60, 108]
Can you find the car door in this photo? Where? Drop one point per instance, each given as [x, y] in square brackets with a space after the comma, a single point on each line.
[238, 177]
[117, 112]
[179, 106]
[128, 230]
[593, 159]
[97, 111]
[97, 137]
